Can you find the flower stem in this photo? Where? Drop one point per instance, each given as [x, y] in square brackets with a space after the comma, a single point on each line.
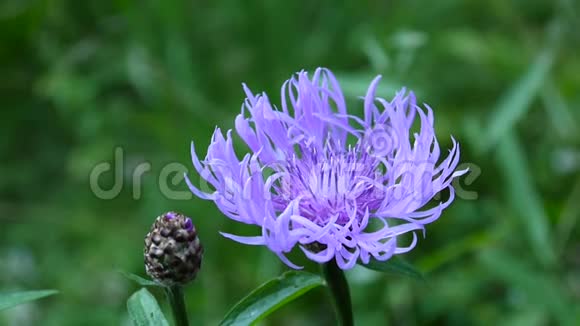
[339, 291]
[177, 302]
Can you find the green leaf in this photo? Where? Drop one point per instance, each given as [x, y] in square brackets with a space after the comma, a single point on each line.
[515, 103]
[524, 198]
[559, 112]
[9, 300]
[569, 217]
[139, 280]
[270, 296]
[470, 243]
[394, 265]
[539, 288]
[144, 310]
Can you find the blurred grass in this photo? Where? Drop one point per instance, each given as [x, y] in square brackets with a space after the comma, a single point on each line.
[82, 78]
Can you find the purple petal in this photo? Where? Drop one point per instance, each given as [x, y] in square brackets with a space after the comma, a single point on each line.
[254, 241]
[188, 225]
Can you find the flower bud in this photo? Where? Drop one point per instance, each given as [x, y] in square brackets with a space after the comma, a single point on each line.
[172, 250]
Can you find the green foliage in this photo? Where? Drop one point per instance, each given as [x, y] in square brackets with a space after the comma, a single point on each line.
[80, 78]
[394, 266]
[9, 300]
[516, 102]
[139, 280]
[270, 296]
[144, 310]
[541, 289]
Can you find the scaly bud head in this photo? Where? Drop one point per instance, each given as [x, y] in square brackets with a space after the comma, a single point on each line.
[173, 251]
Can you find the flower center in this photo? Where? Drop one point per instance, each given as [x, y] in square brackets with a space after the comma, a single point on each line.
[339, 184]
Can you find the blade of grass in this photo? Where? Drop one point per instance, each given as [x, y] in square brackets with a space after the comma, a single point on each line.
[569, 217]
[524, 198]
[9, 300]
[470, 243]
[516, 102]
[539, 288]
[558, 111]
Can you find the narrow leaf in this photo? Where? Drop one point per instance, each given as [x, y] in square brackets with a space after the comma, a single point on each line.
[144, 310]
[569, 217]
[559, 112]
[524, 198]
[138, 279]
[270, 296]
[452, 251]
[9, 300]
[515, 103]
[394, 265]
[539, 288]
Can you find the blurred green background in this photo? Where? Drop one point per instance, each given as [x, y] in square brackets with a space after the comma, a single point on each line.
[82, 78]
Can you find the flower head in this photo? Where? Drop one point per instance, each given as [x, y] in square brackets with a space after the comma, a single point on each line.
[172, 250]
[322, 179]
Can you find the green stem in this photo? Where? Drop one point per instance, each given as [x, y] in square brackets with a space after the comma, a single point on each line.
[338, 288]
[177, 302]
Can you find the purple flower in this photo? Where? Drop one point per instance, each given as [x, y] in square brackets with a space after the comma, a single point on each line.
[336, 185]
